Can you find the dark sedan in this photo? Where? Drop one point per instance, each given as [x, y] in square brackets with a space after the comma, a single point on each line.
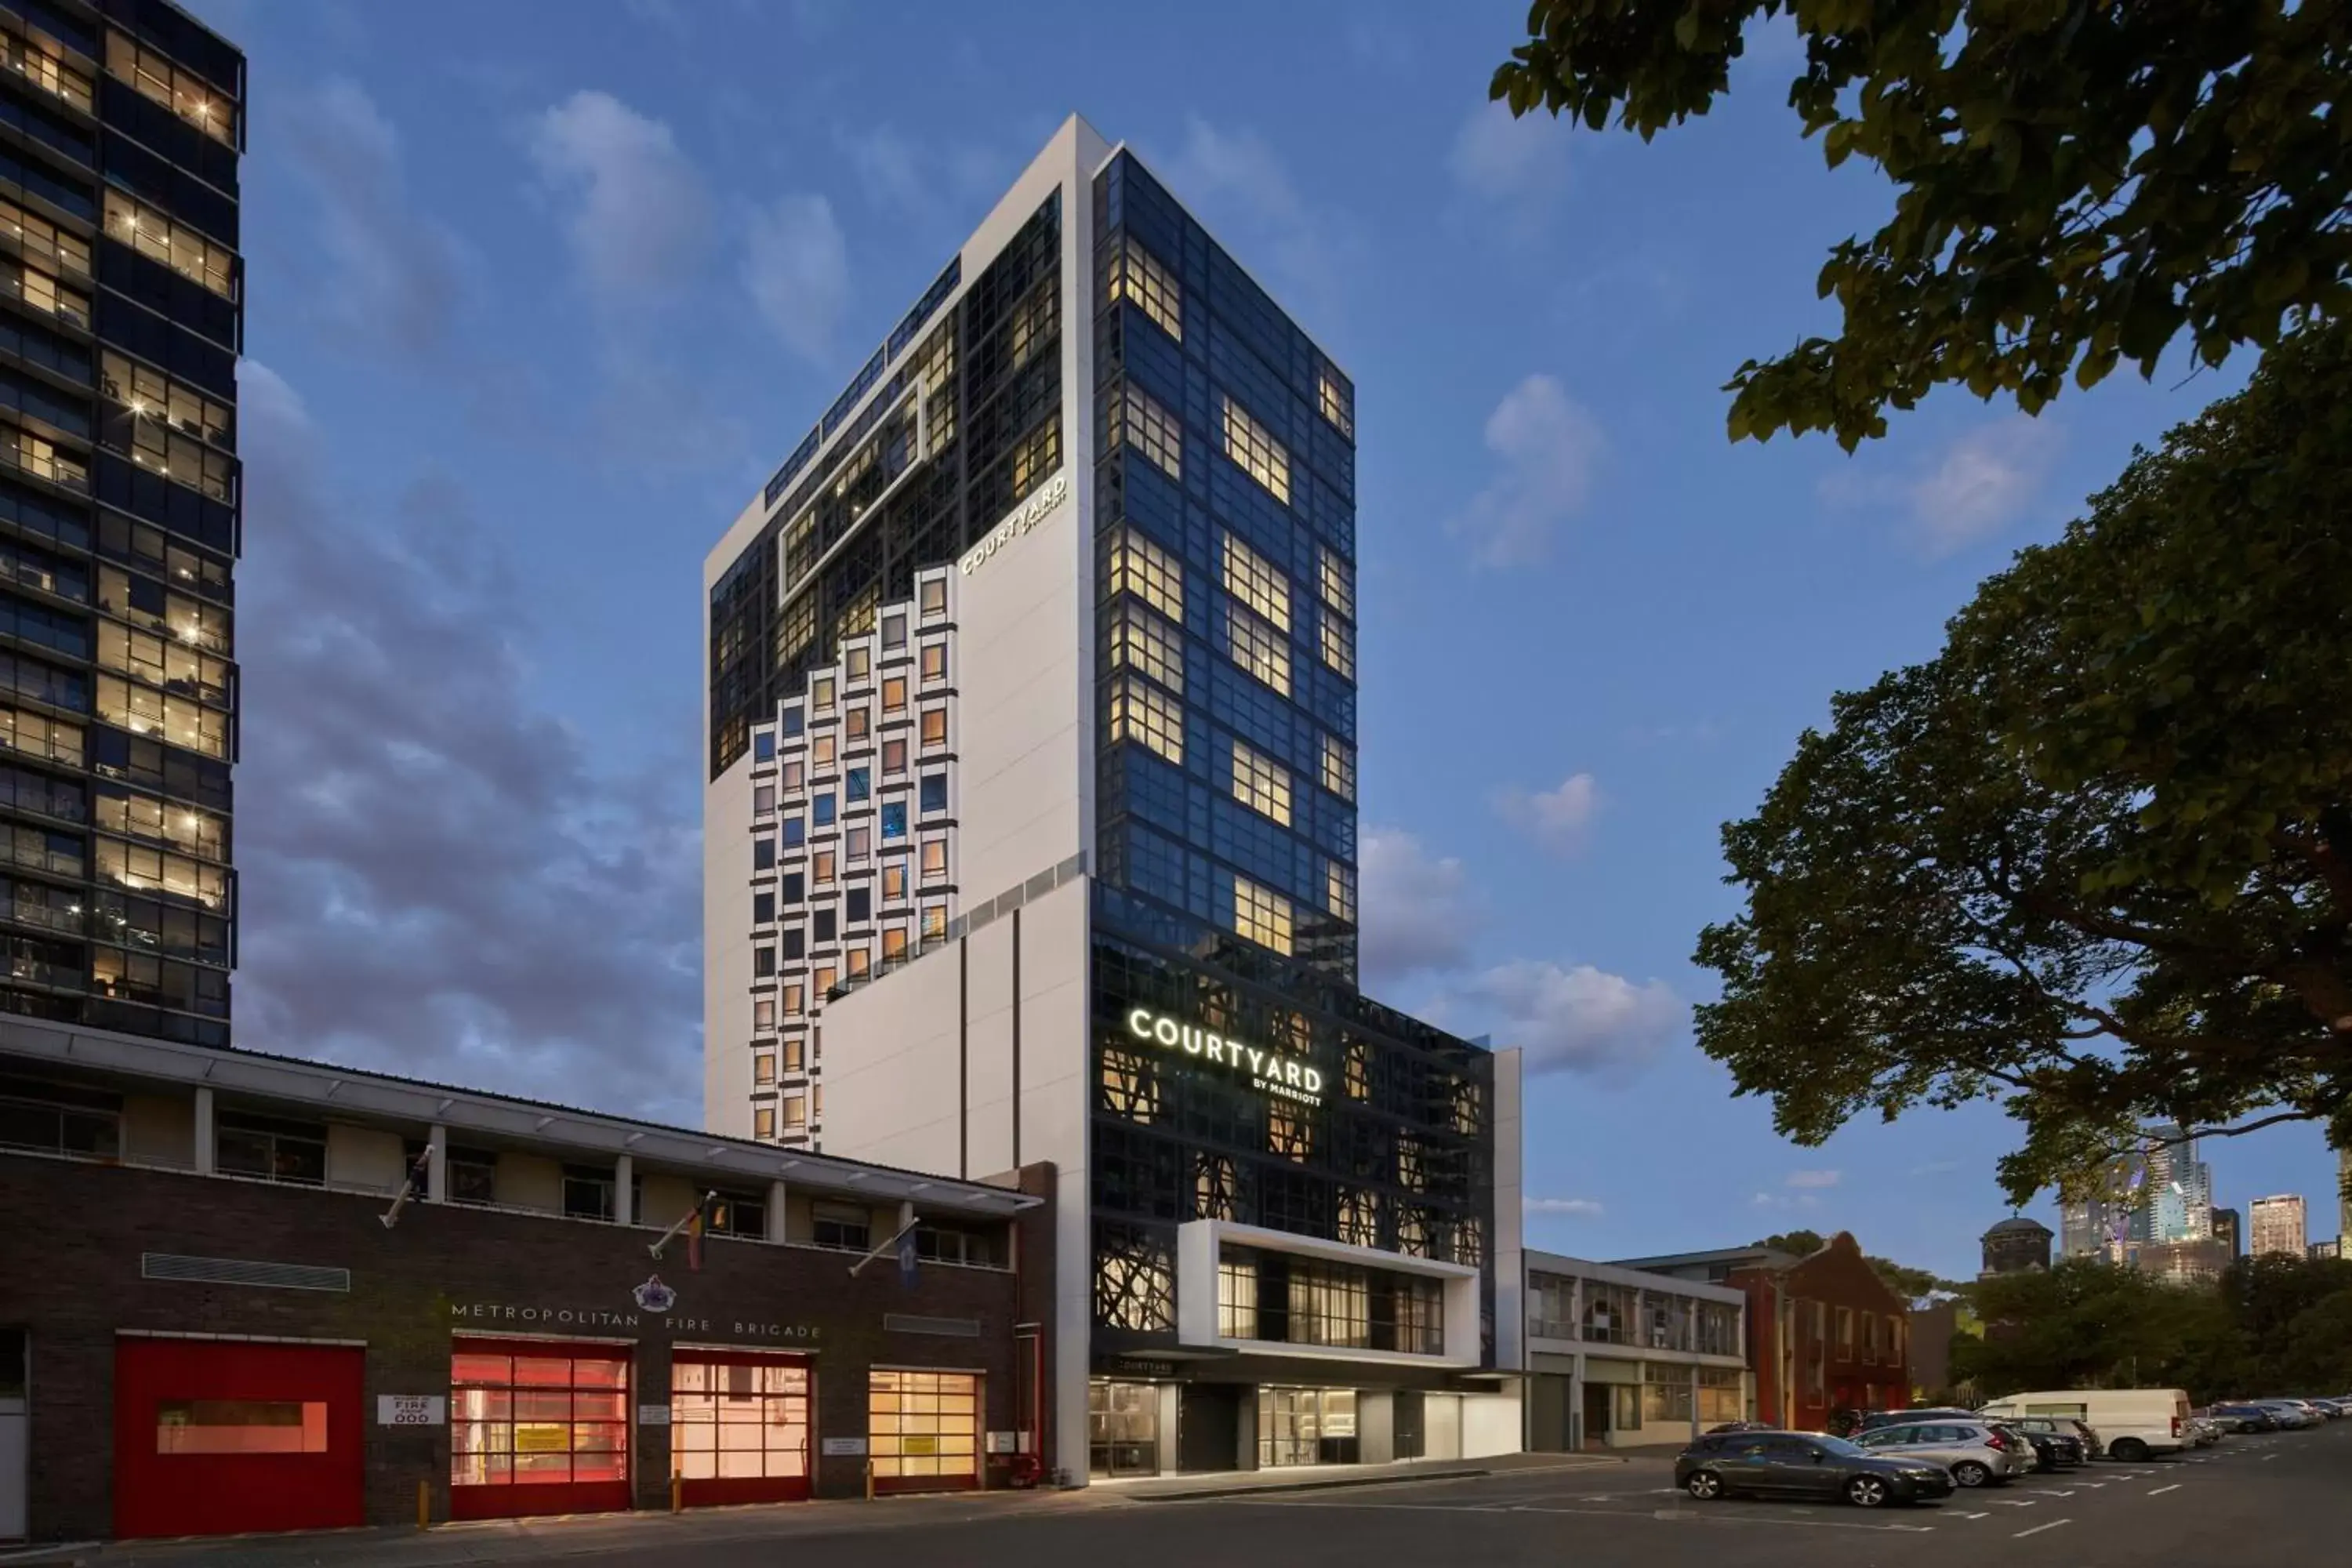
[2250, 1417]
[1803, 1463]
[2074, 1442]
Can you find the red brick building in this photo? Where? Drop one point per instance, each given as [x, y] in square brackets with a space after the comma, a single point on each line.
[1825, 1332]
[212, 1329]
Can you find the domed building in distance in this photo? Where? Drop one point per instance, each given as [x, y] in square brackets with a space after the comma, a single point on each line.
[2016, 1243]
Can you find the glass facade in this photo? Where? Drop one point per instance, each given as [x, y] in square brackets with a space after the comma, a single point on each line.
[121, 317]
[966, 423]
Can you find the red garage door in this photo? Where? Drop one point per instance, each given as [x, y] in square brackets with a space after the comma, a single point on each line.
[538, 1427]
[216, 1437]
[739, 1425]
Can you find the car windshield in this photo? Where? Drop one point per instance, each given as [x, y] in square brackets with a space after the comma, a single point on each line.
[1839, 1446]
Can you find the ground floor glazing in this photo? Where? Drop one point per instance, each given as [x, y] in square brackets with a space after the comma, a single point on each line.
[1139, 1427]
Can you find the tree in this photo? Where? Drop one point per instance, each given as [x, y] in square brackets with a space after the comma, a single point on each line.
[1911, 1284]
[2096, 858]
[2077, 182]
[2082, 1324]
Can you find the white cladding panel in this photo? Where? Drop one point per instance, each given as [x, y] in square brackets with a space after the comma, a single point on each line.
[727, 950]
[891, 1069]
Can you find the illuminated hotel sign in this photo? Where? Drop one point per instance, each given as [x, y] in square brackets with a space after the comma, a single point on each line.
[1020, 520]
[1270, 1070]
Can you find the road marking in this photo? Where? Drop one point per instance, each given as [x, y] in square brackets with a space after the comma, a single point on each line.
[2040, 1528]
[2090, 1483]
[2161, 1490]
[2015, 1501]
[1975, 1516]
[2268, 1458]
[2058, 1493]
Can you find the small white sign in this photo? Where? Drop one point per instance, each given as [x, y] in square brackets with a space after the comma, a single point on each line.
[653, 1415]
[410, 1410]
[1002, 1443]
[844, 1447]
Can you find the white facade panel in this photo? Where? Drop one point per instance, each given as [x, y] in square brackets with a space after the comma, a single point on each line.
[727, 950]
[987, 1044]
[891, 1069]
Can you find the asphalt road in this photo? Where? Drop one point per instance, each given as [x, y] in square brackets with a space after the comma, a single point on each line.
[2283, 1498]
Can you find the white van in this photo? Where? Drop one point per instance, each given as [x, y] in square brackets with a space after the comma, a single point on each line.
[2133, 1423]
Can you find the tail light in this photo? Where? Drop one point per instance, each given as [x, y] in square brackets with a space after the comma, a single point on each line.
[1995, 1440]
[2176, 1426]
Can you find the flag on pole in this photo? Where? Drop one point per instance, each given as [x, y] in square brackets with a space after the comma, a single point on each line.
[908, 1269]
[419, 1179]
[694, 1224]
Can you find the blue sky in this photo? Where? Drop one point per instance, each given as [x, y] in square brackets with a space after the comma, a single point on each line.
[540, 294]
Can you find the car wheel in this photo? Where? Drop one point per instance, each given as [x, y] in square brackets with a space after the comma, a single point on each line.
[1867, 1491]
[2129, 1450]
[1704, 1485]
[1969, 1473]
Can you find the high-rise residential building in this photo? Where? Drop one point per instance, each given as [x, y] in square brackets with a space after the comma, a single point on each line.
[1030, 835]
[2228, 1228]
[121, 298]
[2086, 1229]
[2278, 1226]
[2176, 1203]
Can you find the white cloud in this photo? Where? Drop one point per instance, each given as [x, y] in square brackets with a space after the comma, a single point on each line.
[1982, 485]
[796, 266]
[1417, 909]
[1556, 817]
[1549, 446]
[1813, 1178]
[1585, 1208]
[1572, 1019]
[1503, 158]
[1234, 177]
[1776, 1201]
[642, 216]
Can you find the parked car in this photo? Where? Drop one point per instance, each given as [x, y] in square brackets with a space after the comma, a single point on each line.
[2134, 1423]
[2293, 1415]
[2222, 1417]
[1741, 1426]
[1874, 1420]
[2051, 1450]
[1804, 1464]
[2060, 1426]
[2248, 1418]
[2334, 1409]
[1977, 1451]
[2203, 1431]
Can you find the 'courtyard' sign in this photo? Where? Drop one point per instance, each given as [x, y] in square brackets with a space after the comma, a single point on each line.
[1018, 521]
[1277, 1075]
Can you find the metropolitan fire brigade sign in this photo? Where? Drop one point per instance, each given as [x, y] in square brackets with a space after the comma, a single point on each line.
[411, 1409]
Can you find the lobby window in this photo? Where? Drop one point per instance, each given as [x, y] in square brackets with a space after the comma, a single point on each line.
[1135, 419]
[935, 922]
[935, 727]
[843, 1226]
[1338, 767]
[1330, 1304]
[146, 230]
[1255, 582]
[1341, 890]
[935, 662]
[1336, 399]
[894, 880]
[1136, 274]
[1262, 915]
[894, 820]
[1360, 1217]
[934, 792]
[587, 1193]
[935, 860]
[1147, 716]
[1237, 1298]
[1141, 568]
[1141, 640]
[1129, 1086]
[1290, 1131]
[1258, 648]
[933, 597]
[894, 694]
[1254, 451]
[857, 783]
[1338, 644]
[1216, 1187]
[1261, 783]
[270, 1150]
[894, 756]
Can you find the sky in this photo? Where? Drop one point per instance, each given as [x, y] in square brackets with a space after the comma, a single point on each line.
[539, 294]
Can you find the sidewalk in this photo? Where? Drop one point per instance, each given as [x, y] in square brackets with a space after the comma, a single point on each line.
[1187, 1488]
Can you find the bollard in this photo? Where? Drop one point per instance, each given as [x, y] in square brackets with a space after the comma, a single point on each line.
[423, 1505]
[869, 1481]
[678, 1492]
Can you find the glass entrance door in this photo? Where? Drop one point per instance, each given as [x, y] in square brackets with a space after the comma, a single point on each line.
[1122, 1428]
[1307, 1426]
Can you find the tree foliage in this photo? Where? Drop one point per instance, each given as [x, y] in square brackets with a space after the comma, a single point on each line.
[2096, 858]
[1911, 1284]
[2268, 1326]
[2078, 181]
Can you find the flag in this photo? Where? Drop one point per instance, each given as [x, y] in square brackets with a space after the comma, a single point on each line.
[694, 1239]
[908, 1270]
[420, 1174]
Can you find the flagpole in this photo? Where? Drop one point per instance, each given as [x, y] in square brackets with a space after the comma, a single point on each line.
[906, 1222]
[672, 1233]
[418, 1171]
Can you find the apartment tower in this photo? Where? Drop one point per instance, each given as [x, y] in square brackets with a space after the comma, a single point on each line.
[121, 300]
[1030, 835]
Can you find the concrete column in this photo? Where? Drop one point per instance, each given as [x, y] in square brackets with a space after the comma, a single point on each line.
[205, 1142]
[436, 1167]
[624, 1171]
[1693, 1388]
[1170, 1395]
[776, 1226]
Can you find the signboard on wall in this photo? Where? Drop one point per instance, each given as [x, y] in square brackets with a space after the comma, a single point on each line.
[844, 1447]
[1003, 1443]
[410, 1410]
[653, 1415]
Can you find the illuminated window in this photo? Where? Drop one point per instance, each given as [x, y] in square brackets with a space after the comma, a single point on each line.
[42, 292]
[894, 694]
[240, 1426]
[935, 727]
[1215, 1187]
[1412, 1171]
[1143, 641]
[795, 1114]
[935, 918]
[1338, 644]
[40, 457]
[146, 230]
[894, 942]
[935, 860]
[1359, 1071]
[1337, 399]
[183, 93]
[821, 751]
[43, 241]
[1469, 1243]
[860, 960]
[1469, 1114]
[820, 693]
[1147, 715]
[1254, 581]
[1360, 1217]
[933, 596]
[1289, 1130]
[1338, 580]
[763, 1014]
[1136, 420]
[1039, 455]
[857, 663]
[825, 981]
[1262, 915]
[1261, 783]
[44, 70]
[1258, 648]
[1255, 450]
[182, 720]
[935, 662]
[763, 1122]
[537, 1417]
[894, 880]
[820, 868]
[1136, 274]
[764, 1068]
[853, 724]
[924, 1424]
[1342, 891]
[1237, 1298]
[1129, 1086]
[1338, 767]
[1141, 568]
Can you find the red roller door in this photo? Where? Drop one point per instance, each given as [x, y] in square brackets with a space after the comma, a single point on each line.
[739, 1425]
[538, 1427]
[218, 1437]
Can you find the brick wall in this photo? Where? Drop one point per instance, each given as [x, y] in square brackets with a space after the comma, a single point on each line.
[69, 1272]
